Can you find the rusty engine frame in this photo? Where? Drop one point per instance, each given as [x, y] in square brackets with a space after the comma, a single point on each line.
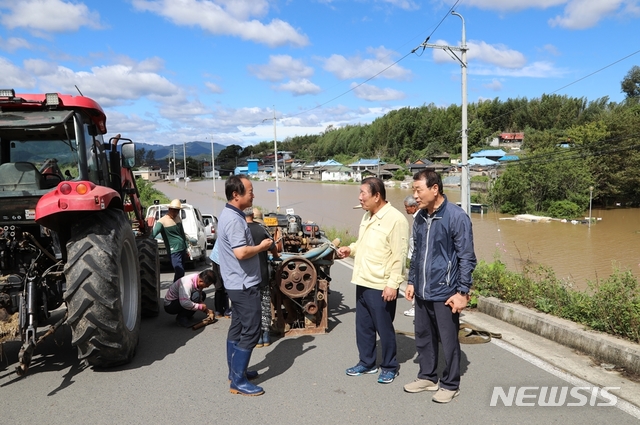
[300, 278]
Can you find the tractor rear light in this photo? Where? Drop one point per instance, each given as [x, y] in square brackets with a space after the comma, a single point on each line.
[65, 189]
[82, 188]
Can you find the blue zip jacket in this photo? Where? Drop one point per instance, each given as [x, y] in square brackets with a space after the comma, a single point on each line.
[443, 257]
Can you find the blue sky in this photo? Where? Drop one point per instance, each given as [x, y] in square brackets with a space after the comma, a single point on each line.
[174, 71]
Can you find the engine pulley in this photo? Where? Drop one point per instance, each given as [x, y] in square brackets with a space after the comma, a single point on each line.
[297, 277]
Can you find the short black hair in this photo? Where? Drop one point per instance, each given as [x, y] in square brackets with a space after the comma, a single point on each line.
[430, 177]
[208, 277]
[375, 186]
[234, 184]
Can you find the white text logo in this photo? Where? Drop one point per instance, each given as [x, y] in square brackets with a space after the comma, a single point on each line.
[554, 396]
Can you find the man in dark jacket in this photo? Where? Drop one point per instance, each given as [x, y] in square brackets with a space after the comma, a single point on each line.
[440, 278]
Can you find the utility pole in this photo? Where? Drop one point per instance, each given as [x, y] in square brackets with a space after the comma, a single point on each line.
[213, 173]
[275, 151]
[184, 146]
[175, 176]
[465, 195]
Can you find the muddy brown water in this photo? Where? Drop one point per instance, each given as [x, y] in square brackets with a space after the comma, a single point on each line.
[576, 253]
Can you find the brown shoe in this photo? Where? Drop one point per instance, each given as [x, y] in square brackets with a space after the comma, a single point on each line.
[444, 395]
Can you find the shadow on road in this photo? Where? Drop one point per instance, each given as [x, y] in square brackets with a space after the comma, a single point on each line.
[282, 357]
[337, 308]
[54, 354]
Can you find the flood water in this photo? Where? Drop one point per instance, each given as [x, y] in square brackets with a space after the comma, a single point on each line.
[575, 252]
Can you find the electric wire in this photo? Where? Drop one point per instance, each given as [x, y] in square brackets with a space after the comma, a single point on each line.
[373, 76]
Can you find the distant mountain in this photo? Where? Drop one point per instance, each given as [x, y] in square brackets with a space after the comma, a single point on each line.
[195, 149]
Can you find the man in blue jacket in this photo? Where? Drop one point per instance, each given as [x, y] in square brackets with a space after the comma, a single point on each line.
[440, 279]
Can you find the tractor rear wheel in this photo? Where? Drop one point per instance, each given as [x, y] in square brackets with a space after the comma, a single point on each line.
[149, 276]
[103, 288]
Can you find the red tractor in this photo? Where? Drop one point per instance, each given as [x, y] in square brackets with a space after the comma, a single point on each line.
[72, 230]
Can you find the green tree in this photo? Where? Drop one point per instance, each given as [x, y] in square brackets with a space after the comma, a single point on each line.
[150, 157]
[631, 82]
[140, 156]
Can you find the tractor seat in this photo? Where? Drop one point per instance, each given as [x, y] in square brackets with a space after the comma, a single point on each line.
[17, 176]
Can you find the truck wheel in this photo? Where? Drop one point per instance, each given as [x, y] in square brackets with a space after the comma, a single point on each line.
[103, 288]
[149, 276]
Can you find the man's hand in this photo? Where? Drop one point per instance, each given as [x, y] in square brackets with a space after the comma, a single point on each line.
[457, 302]
[409, 292]
[265, 245]
[389, 294]
[343, 251]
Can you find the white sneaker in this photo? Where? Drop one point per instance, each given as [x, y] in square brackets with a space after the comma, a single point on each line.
[411, 312]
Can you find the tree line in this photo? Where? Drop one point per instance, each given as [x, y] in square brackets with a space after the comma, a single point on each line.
[570, 145]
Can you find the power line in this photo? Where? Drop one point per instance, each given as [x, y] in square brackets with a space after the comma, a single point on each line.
[375, 75]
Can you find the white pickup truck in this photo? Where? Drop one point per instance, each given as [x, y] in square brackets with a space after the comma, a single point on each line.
[194, 229]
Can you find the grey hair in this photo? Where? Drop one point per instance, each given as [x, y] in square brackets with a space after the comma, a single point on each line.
[410, 201]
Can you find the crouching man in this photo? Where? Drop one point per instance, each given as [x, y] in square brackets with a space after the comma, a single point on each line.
[186, 296]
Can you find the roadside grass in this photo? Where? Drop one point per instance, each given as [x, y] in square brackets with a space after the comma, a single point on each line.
[611, 305]
[346, 238]
[148, 193]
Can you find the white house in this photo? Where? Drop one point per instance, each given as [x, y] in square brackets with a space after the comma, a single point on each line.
[340, 173]
[149, 174]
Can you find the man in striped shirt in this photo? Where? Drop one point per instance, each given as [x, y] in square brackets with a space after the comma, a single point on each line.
[186, 296]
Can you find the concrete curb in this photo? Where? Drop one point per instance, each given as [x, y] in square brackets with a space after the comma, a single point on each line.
[604, 347]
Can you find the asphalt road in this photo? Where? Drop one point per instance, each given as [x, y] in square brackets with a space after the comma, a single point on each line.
[180, 376]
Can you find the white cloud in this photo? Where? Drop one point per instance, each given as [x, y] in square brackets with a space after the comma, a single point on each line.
[48, 15]
[108, 85]
[281, 67]
[214, 88]
[12, 44]
[578, 14]
[14, 77]
[497, 54]
[299, 87]
[507, 62]
[184, 111]
[403, 4]
[376, 94]
[512, 5]
[227, 17]
[494, 85]
[130, 124]
[535, 70]
[581, 14]
[357, 67]
[551, 49]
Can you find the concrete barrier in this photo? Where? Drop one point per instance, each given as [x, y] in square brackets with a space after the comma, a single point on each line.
[604, 347]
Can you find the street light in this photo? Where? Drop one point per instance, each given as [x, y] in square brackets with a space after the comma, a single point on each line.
[590, 198]
[465, 195]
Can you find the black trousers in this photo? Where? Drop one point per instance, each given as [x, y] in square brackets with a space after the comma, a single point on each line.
[435, 320]
[175, 308]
